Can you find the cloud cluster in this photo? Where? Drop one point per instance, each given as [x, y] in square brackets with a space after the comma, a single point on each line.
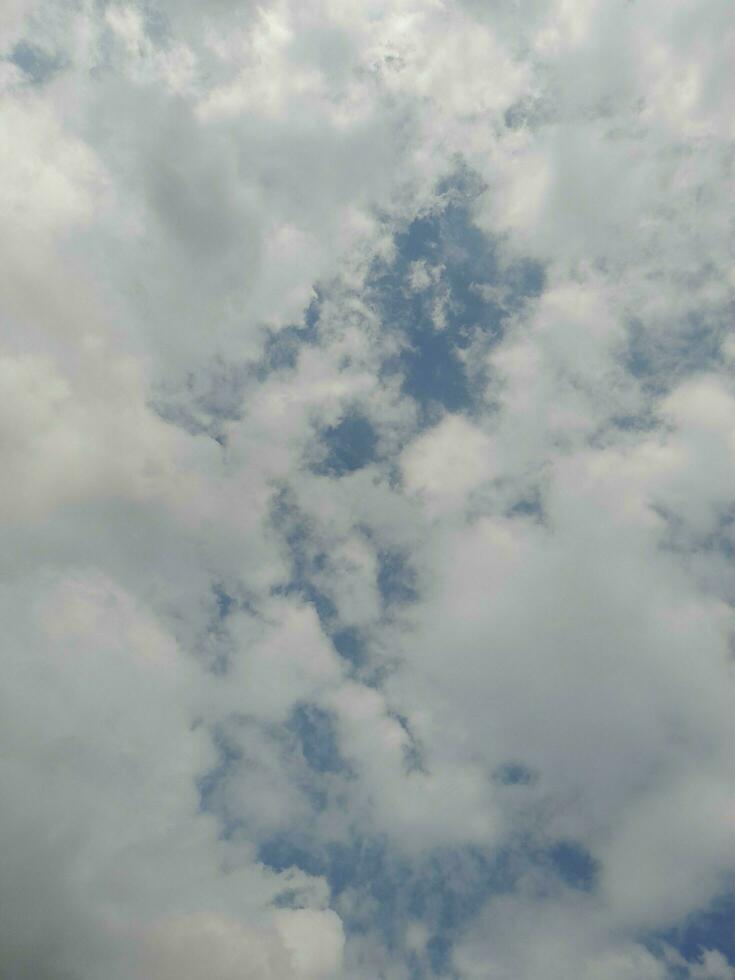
[368, 452]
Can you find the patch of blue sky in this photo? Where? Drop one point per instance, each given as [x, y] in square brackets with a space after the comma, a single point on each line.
[213, 396]
[469, 295]
[413, 753]
[573, 864]
[514, 774]
[347, 446]
[373, 886]
[282, 347]
[306, 559]
[721, 540]
[443, 289]
[396, 582]
[316, 732]
[214, 643]
[38, 66]
[305, 744]
[350, 644]
[716, 541]
[712, 928]
[661, 360]
[397, 579]
[531, 505]
[210, 783]
[225, 602]
[444, 889]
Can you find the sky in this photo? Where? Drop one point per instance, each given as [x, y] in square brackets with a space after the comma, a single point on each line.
[367, 438]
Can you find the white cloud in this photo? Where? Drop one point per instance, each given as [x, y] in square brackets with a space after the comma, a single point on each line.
[302, 944]
[177, 185]
[101, 832]
[448, 463]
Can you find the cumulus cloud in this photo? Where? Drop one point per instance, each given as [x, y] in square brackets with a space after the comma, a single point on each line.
[367, 441]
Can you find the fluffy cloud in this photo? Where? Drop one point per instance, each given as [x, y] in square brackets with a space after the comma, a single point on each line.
[368, 454]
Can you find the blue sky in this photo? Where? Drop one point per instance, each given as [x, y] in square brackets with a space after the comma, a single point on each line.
[368, 441]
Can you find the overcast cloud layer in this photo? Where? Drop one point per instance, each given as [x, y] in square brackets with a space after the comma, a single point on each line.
[367, 434]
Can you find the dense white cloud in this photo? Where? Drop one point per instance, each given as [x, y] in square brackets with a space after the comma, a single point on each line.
[107, 857]
[243, 656]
